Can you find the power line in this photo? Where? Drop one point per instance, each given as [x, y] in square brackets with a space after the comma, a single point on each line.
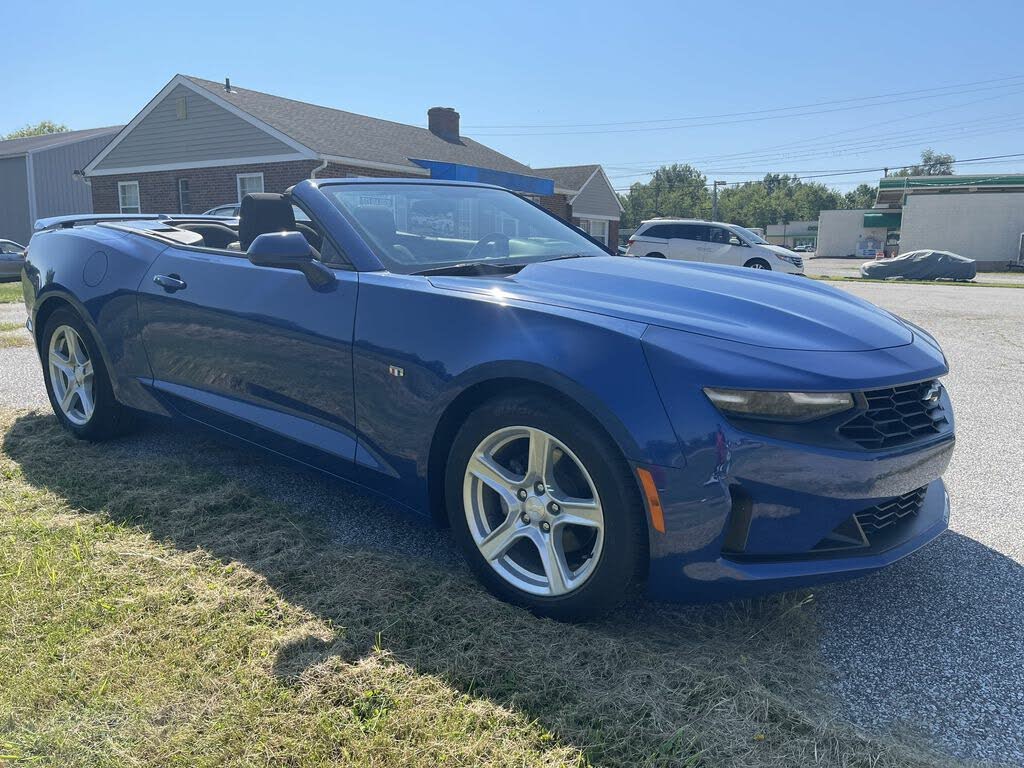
[816, 142]
[753, 112]
[852, 150]
[750, 119]
[853, 171]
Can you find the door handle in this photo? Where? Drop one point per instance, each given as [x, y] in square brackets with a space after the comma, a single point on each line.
[170, 283]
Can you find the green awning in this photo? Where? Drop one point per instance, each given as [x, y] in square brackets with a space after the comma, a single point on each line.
[889, 220]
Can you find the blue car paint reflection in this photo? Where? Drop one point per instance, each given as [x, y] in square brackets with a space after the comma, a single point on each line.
[256, 353]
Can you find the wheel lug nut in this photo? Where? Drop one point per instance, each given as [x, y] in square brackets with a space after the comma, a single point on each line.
[540, 488]
[545, 526]
[522, 493]
[525, 518]
[553, 508]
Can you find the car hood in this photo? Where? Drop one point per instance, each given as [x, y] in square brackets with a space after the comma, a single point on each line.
[749, 306]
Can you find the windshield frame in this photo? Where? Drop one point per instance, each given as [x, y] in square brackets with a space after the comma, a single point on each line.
[398, 184]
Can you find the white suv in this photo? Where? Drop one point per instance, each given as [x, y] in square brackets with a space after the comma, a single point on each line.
[711, 242]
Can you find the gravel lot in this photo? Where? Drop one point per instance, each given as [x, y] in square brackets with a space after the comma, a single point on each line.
[932, 644]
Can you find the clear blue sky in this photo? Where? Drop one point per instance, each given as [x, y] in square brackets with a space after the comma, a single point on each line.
[572, 65]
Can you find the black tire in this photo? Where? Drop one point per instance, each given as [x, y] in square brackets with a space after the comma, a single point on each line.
[758, 264]
[109, 418]
[655, 255]
[622, 562]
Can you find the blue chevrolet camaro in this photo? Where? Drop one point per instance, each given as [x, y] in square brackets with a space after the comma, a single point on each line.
[588, 425]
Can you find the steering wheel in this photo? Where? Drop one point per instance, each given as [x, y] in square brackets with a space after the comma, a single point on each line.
[494, 240]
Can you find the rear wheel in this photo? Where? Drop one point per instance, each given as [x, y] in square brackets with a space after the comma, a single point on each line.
[545, 508]
[77, 382]
[655, 255]
[758, 264]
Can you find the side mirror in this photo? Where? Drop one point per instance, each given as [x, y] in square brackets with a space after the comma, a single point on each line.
[290, 250]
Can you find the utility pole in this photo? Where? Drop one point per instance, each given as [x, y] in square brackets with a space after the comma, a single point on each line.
[714, 198]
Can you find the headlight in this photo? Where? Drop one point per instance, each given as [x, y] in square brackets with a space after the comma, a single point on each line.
[779, 406]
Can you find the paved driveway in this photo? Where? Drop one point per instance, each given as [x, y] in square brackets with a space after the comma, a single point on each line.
[933, 643]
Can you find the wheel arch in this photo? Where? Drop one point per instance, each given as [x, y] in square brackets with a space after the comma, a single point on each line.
[484, 389]
[52, 301]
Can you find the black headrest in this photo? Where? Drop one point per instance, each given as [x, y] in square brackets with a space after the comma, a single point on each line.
[378, 221]
[263, 212]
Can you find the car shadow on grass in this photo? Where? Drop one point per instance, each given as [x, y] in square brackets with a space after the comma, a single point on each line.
[648, 685]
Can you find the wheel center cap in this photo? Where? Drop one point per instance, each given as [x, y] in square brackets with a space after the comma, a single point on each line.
[79, 377]
[534, 506]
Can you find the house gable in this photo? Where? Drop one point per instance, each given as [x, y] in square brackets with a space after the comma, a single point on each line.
[597, 198]
[184, 127]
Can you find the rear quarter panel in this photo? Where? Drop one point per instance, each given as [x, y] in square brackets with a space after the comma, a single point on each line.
[97, 271]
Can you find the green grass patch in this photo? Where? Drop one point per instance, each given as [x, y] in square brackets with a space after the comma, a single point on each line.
[957, 283]
[156, 613]
[10, 293]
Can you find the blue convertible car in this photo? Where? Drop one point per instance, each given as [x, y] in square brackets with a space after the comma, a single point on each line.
[588, 425]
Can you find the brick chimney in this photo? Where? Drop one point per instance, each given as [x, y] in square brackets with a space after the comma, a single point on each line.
[443, 122]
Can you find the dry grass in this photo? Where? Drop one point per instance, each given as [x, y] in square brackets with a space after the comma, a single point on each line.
[10, 293]
[14, 335]
[154, 613]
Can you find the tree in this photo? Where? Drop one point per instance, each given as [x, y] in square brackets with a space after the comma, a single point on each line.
[861, 197]
[932, 164]
[674, 190]
[39, 129]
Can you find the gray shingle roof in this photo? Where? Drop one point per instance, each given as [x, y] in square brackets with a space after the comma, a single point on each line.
[568, 176]
[47, 140]
[346, 134]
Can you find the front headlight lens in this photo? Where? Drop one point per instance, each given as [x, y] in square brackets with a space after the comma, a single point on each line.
[779, 406]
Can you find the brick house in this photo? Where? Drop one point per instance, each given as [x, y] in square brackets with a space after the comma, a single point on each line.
[584, 195]
[199, 144]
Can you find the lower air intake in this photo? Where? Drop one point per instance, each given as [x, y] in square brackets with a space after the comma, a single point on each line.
[891, 512]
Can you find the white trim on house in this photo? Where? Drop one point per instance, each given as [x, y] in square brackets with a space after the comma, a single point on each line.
[566, 192]
[199, 164]
[138, 196]
[415, 170]
[302, 151]
[598, 216]
[238, 182]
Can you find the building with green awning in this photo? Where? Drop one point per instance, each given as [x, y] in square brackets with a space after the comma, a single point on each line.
[980, 216]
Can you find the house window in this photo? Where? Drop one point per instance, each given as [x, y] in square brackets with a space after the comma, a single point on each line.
[181, 108]
[184, 201]
[128, 196]
[596, 228]
[249, 183]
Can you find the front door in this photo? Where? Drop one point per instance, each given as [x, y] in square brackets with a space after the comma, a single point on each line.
[254, 351]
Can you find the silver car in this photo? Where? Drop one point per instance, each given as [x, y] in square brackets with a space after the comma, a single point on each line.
[12, 259]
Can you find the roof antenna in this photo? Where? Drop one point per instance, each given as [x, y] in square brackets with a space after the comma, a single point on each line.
[227, 84]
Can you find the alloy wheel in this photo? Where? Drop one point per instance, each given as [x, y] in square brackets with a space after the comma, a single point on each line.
[533, 511]
[71, 375]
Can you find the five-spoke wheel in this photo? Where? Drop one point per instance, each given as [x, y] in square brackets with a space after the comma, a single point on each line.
[545, 507]
[76, 379]
[533, 510]
[71, 373]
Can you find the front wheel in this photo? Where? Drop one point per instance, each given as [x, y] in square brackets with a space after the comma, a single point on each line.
[758, 264]
[545, 508]
[77, 382]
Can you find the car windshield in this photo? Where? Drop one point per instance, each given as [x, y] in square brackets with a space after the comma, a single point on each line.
[433, 227]
[749, 236]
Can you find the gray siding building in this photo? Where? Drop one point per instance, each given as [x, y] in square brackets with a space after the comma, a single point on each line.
[593, 205]
[36, 177]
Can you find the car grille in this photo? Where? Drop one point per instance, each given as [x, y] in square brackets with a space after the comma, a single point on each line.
[897, 416]
[797, 261]
[889, 513]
